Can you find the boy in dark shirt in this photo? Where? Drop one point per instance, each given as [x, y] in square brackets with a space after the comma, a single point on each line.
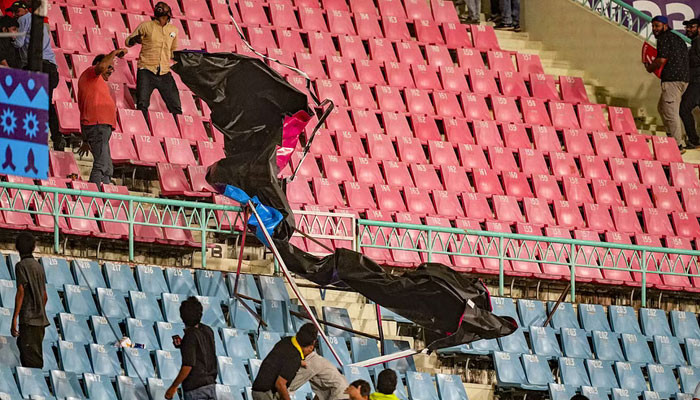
[30, 304]
[198, 349]
[281, 365]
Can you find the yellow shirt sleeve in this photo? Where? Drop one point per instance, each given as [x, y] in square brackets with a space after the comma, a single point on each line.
[139, 31]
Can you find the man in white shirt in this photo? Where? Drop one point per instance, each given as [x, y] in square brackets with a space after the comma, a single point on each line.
[326, 381]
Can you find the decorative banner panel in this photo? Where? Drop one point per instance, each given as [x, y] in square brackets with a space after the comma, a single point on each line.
[676, 11]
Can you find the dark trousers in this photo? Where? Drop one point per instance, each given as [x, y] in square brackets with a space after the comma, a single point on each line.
[31, 353]
[690, 100]
[97, 137]
[147, 82]
[52, 70]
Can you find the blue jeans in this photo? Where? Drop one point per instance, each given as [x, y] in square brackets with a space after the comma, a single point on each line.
[202, 393]
[510, 11]
[98, 138]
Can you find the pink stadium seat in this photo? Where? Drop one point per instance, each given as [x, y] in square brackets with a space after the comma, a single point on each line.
[482, 81]
[543, 87]
[568, 215]
[409, 53]
[327, 193]
[515, 136]
[425, 77]
[149, 151]
[467, 263]
[399, 75]
[453, 79]
[666, 198]
[470, 59]
[666, 149]
[442, 153]
[122, 96]
[351, 47]
[636, 196]
[593, 167]
[365, 6]
[360, 96]
[457, 131]
[486, 182]
[395, 28]
[80, 19]
[455, 179]
[252, 13]
[380, 147]
[652, 173]
[339, 68]
[598, 217]
[636, 147]
[282, 16]
[576, 190]
[623, 170]
[192, 128]
[505, 109]
[684, 175]
[228, 36]
[61, 93]
[312, 19]
[484, 37]
[162, 124]
[381, 236]
[535, 112]
[308, 169]
[335, 5]
[369, 71]
[359, 197]
[444, 11]
[179, 152]
[366, 121]
[367, 26]
[397, 174]
[501, 159]
[70, 39]
[411, 150]
[418, 201]
[538, 212]
[686, 225]
[99, 42]
[350, 145]
[486, 133]
[447, 204]
[512, 84]
[340, 22]
[261, 37]
[173, 181]
[418, 10]
[563, 115]
[425, 177]
[63, 165]
[626, 220]
[529, 63]
[573, 90]
[299, 192]
[606, 144]
[532, 162]
[219, 10]
[679, 264]
[588, 260]
[656, 222]
[476, 207]
[563, 164]
[619, 257]
[135, 19]
[440, 241]
[425, 128]
[200, 32]
[310, 64]
[367, 171]
[516, 185]
[606, 192]
[428, 31]
[336, 168]
[63, 70]
[500, 61]
[545, 138]
[390, 99]
[691, 200]
[328, 89]
[197, 175]
[392, 8]
[447, 105]
[472, 157]
[621, 119]
[389, 198]
[475, 108]
[68, 116]
[653, 262]
[507, 209]
[456, 35]
[591, 117]
[55, 15]
[339, 120]
[407, 239]
[122, 148]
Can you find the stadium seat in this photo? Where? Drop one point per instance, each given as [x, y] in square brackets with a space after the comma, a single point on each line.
[668, 351]
[575, 344]
[535, 113]
[403, 365]
[623, 319]
[137, 363]
[601, 374]
[607, 346]
[232, 372]
[99, 387]
[145, 306]
[666, 150]
[237, 343]
[630, 377]
[568, 215]
[106, 331]
[79, 300]
[515, 342]
[544, 342]
[531, 313]
[662, 379]
[131, 387]
[265, 342]
[593, 317]
[654, 322]
[421, 386]
[341, 348]
[450, 387]
[276, 314]
[561, 392]
[363, 348]
[685, 325]
[482, 81]
[74, 357]
[512, 84]
[510, 372]
[57, 271]
[563, 115]
[104, 359]
[112, 303]
[32, 383]
[572, 372]
[543, 87]
[564, 317]
[636, 348]
[165, 331]
[484, 37]
[621, 120]
[88, 273]
[141, 331]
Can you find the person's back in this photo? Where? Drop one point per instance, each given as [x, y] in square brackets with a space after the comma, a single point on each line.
[675, 51]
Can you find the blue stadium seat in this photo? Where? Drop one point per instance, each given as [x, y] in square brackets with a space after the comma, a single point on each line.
[104, 359]
[75, 328]
[601, 374]
[266, 341]
[624, 320]
[340, 345]
[47, 349]
[572, 372]
[298, 322]
[232, 372]
[168, 364]
[131, 388]
[420, 386]
[575, 343]
[537, 371]
[8, 385]
[450, 387]
[684, 396]
[246, 285]
[509, 371]
[237, 344]
[144, 305]
[650, 395]
[354, 373]
[225, 392]
[79, 300]
[112, 303]
[141, 331]
[388, 315]
[514, 343]
[9, 353]
[654, 322]
[66, 384]
[165, 332]
[484, 346]
[12, 260]
[275, 313]
[531, 313]
[220, 349]
[8, 290]
[593, 317]
[564, 317]
[636, 348]
[32, 382]
[88, 273]
[120, 277]
[211, 284]
[685, 324]
[662, 379]
[668, 351]
[363, 348]
[180, 281]
[404, 364]
[689, 377]
[137, 363]
[303, 393]
[338, 316]
[623, 394]
[212, 314]
[692, 351]
[544, 341]
[171, 306]
[400, 391]
[505, 307]
[54, 305]
[254, 365]
[595, 393]
[73, 357]
[273, 288]
[5, 321]
[106, 330]
[51, 333]
[4, 269]
[558, 391]
[607, 346]
[57, 271]
[150, 279]
[240, 317]
[157, 388]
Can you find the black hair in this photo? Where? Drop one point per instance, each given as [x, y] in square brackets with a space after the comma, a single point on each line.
[191, 311]
[364, 387]
[579, 397]
[307, 335]
[386, 381]
[8, 22]
[25, 243]
[98, 59]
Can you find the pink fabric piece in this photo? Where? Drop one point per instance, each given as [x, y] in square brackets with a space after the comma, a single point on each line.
[292, 128]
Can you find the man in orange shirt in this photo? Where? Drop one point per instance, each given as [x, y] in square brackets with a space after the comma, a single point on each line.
[98, 114]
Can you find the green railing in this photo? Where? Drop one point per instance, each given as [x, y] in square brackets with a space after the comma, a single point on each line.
[624, 15]
[582, 260]
[52, 209]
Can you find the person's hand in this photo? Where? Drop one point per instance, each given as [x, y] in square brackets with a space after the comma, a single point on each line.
[13, 328]
[353, 392]
[170, 393]
[177, 341]
[84, 149]
[136, 39]
[303, 364]
[121, 52]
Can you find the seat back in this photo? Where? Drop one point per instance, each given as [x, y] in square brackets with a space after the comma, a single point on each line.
[575, 343]
[509, 370]
[630, 376]
[668, 351]
[607, 346]
[654, 322]
[266, 341]
[593, 317]
[137, 363]
[232, 372]
[689, 377]
[338, 316]
[601, 374]
[564, 317]
[180, 281]
[662, 379]
[340, 346]
[73, 357]
[450, 387]
[544, 341]
[514, 343]
[166, 330]
[99, 387]
[531, 312]
[572, 372]
[32, 382]
[211, 283]
[420, 386]
[636, 348]
[104, 360]
[685, 324]
[120, 277]
[238, 344]
[624, 320]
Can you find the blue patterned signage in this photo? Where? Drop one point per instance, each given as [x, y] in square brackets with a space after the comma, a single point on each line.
[24, 123]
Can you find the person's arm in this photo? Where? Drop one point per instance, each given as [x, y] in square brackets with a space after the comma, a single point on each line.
[24, 27]
[19, 299]
[107, 61]
[181, 376]
[656, 64]
[135, 37]
[281, 386]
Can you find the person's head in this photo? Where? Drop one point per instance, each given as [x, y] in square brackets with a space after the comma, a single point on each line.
[162, 11]
[579, 397]
[363, 387]
[307, 337]
[659, 25]
[18, 8]
[8, 24]
[386, 381]
[25, 243]
[691, 27]
[191, 311]
[107, 71]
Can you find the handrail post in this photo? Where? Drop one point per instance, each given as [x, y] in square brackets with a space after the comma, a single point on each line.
[501, 272]
[572, 263]
[644, 278]
[56, 240]
[203, 227]
[131, 230]
[430, 245]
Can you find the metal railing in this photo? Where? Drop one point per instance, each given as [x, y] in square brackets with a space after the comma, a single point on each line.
[52, 209]
[624, 15]
[500, 253]
[326, 226]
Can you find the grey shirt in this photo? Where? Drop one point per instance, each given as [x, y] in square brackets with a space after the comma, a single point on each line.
[326, 381]
[30, 274]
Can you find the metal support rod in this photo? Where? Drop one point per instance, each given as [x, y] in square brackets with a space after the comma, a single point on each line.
[240, 253]
[501, 272]
[56, 212]
[336, 326]
[250, 310]
[380, 329]
[203, 223]
[561, 298]
[313, 239]
[290, 280]
[644, 278]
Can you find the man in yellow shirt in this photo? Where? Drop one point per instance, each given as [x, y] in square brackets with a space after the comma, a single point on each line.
[158, 39]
